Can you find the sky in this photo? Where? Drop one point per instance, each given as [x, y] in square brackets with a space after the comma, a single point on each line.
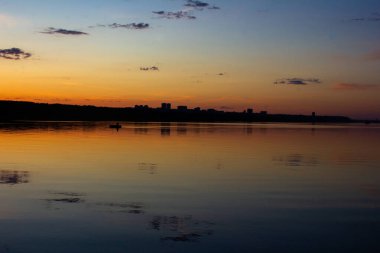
[281, 56]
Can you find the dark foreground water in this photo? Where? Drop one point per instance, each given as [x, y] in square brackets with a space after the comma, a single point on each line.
[82, 187]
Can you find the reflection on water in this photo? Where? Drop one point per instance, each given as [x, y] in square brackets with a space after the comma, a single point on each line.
[66, 200]
[165, 131]
[188, 187]
[69, 194]
[14, 177]
[5, 249]
[66, 197]
[297, 160]
[131, 208]
[372, 190]
[181, 229]
[48, 126]
[150, 168]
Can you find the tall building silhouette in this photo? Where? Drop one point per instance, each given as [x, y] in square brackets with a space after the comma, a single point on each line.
[166, 106]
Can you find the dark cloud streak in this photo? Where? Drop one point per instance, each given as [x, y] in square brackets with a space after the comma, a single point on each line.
[298, 81]
[136, 26]
[199, 5]
[375, 17]
[196, 4]
[52, 30]
[213, 7]
[174, 15]
[132, 26]
[14, 54]
[191, 5]
[153, 68]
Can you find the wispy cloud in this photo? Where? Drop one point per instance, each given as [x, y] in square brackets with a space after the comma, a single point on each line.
[52, 30]
[213, 7]
[354, 87]
[298, 81]
[374, 17]
[200, 5]
[188, 12]
[174, 15]
[196, 4]
[153, 68]
[133, 26]
[14, 54]
[136, 26]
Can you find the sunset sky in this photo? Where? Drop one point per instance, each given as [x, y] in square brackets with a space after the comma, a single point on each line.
[283, 56]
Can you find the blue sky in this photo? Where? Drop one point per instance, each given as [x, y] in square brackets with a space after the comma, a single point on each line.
[247, 53]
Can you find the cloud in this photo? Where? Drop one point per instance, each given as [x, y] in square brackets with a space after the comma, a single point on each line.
[14, 54]
[174, 15]
[133, 26]
[191, 5]
[52, 30]
[374, 17]
[153, 68]
[137, 26]
[213, 7]
[298, 81]
[199, 5]
[196, 4]
[354, 87]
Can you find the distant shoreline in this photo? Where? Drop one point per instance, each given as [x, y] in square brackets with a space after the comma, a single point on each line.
[11, 111]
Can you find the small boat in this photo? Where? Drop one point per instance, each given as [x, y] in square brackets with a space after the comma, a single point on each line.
[115, 126]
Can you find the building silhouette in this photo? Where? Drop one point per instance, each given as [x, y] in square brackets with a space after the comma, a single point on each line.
[27, 111]
[182, 108]
[166, 106]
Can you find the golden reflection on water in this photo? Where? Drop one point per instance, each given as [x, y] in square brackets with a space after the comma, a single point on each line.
[189, 154]
[188, 151]
[198, 180]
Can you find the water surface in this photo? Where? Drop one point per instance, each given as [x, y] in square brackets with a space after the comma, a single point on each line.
[168, 187]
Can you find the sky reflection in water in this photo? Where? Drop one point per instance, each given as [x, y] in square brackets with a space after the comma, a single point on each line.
[82, 187]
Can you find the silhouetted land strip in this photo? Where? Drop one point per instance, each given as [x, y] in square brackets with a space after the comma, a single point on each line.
[15, 110]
